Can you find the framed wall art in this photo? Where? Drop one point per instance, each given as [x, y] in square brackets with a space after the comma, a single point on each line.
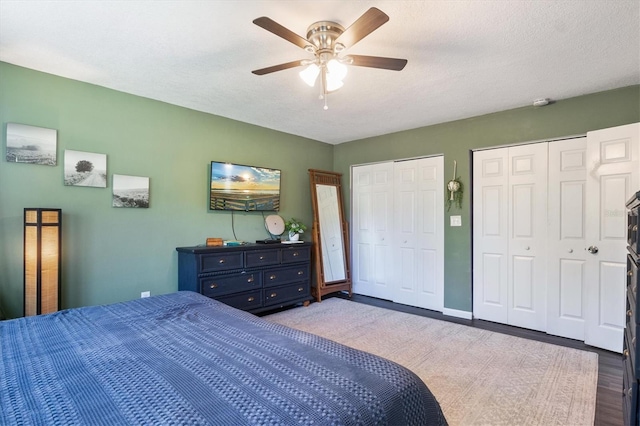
[130, 191]
[31, 145]
[85, 169]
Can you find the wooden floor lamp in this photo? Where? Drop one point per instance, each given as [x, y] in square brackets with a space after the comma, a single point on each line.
[42, 260]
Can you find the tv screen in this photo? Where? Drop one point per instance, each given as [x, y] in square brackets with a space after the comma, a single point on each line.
[246, 188]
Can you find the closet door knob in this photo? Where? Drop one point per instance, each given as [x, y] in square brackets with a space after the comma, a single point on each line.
[592, 249]
[570, 250]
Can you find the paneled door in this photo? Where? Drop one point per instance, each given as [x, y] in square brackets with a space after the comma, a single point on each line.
[372, 238]
[567, 265]
[419, 233]
[613, 168]
[510, 226]
[398, 231]
[490, 234]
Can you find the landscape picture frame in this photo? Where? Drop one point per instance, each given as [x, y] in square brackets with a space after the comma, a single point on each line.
[31, 144]
[83, 168]
[130, 191]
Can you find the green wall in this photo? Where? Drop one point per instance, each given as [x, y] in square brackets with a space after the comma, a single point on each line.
[113, 254]
[456, 140]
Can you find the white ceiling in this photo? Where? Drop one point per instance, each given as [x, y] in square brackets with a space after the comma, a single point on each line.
[466, 57]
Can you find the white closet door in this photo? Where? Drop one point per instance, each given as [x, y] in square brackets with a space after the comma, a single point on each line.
[490, 234]
[372, 200]
[509, 255]
[528, 236]
[566, 278]
[613, 168]
[419, 236]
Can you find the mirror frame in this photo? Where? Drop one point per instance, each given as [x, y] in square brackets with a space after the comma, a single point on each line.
[321, 286]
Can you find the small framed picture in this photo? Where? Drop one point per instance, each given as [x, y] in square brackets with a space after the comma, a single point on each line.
[130, 191]
[85, 169]
[30, 144]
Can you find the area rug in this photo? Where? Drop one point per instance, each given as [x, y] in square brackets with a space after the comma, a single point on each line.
[479, 377]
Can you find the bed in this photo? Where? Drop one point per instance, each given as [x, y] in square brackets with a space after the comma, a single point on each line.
[183, 358]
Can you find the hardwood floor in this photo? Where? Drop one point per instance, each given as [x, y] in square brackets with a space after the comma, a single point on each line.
[609, 393]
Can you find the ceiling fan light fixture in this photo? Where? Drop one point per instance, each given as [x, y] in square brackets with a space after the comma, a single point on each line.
[336, 70]
[333, 84]
[310, 74]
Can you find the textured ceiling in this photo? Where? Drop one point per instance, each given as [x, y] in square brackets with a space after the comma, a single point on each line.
[466, 57]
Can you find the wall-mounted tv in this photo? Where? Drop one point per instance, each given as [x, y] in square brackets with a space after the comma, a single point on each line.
[245, 188]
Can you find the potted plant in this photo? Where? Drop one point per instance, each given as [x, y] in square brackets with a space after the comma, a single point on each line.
[295, 228]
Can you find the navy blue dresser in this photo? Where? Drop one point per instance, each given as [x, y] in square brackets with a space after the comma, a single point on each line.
[251, 277]
[631, 353]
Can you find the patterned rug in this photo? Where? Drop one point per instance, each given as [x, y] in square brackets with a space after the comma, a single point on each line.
[479, 377]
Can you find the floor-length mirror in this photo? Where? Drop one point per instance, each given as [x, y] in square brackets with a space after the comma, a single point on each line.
[330, 235]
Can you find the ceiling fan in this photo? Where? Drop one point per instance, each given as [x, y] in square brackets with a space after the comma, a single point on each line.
[326, 40]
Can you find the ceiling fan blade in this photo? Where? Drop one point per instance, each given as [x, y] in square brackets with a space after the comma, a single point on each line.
[277, 29]
[280, 67]
[370, 21]
[393, 64]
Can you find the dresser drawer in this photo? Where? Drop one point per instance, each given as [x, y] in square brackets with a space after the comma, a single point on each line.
[233, 283]
[631, 315]
[220, 262]
[296, 254]
[630, 395]
[245, 301]
[258, 258]
[632, 230]
[630, 354]
[280, 276]
[277, 295]
[632, 284]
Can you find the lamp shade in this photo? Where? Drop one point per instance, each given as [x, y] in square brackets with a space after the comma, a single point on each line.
[310, 74]
[42, 260]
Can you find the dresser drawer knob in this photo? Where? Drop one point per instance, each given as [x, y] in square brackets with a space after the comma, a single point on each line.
[625, 353]
[251, 299]
[250, 279]
[300, 272]
[295, 254]
[630, 273]
[221, 261]
[300, 289]
[629, 313]
[213, 285]
[272, 277]
[261, 257]
[273, 295]
[635, 228]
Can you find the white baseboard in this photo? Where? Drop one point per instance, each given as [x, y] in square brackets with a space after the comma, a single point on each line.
[457, 313]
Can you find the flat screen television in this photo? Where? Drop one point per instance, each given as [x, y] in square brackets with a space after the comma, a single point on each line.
[245, 188]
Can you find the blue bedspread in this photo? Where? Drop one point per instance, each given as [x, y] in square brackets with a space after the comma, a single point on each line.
[182, 358]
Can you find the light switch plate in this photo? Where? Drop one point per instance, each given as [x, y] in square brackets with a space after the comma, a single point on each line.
[455, 220]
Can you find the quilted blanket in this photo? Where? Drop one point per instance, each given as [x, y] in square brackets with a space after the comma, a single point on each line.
[183, 358]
